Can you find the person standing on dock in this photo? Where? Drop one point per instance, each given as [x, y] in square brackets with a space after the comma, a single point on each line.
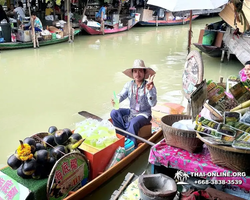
[142, 96]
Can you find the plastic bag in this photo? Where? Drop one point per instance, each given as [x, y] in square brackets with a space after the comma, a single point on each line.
[246, 117]
[118, 155]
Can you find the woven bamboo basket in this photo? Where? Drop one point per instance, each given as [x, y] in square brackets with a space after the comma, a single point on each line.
[232, 158]
[183, 139]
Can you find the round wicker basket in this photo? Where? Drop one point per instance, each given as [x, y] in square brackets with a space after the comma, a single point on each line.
[235, 159]
[183, 139]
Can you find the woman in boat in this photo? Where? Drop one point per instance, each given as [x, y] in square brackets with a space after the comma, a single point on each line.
[3, 14]
[245, 72]
[20, 11]
[142, 96]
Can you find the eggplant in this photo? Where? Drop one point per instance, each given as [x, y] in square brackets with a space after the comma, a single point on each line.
[21, 174]
[38, 173]
[68, 131]
[30, 141]
[58, 151]
[49, 165]
[52, 130]
[42, 156]
[75, 138]
[49, 141]
[61, 137]
[29, 167]
[39, 146]
[14, 162]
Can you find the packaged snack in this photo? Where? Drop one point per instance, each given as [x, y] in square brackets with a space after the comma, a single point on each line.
[239, 126]
[225, 129]
[208, 122]
[241, 145]
[231, 117]
[207, 131]
[213, 140]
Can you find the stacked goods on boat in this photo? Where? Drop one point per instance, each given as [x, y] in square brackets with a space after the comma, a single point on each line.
[35, 156]
[47, 165]
[101, 143]
[229, 105]
[98, 134]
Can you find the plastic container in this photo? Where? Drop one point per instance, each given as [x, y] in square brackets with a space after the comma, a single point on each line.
[6, 32]
[129, 146]
[227, 130]
[157, 187]
[99, 159]
[207, 131]
[53, 36]
[208, 37]
[137, 16]
[231, 117]
[116, 100]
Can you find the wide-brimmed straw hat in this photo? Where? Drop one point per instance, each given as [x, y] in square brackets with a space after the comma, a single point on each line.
[139, 64]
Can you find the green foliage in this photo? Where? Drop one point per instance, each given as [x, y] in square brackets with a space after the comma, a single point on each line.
[2, 2]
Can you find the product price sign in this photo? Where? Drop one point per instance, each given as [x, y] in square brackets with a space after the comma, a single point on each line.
[193, 73]
[68, 174]
[11, 189]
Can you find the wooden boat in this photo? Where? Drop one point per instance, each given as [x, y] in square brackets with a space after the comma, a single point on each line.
[95, 183]
[210, 40]
[20, 45]
[166, 22]
[109, 28]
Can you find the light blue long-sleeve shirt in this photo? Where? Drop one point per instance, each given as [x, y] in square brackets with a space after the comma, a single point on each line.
[146, 98]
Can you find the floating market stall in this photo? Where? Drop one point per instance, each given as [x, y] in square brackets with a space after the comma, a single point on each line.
[219, 120]
[13, 35]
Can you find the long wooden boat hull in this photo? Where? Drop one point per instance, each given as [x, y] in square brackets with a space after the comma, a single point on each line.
[212, 51]
[93, 31]
[20, 45]
[166, 22]
[95, 183]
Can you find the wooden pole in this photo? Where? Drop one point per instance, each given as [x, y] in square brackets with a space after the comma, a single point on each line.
[85, 8]
[190, 30]
[68, 19]
[32, 28]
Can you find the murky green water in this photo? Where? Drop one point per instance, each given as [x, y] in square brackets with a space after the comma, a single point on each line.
[48, 86]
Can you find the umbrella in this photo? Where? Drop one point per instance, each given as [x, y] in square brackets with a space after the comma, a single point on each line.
[183, 5]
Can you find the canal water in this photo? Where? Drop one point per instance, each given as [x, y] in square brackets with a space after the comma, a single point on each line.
[48, 86]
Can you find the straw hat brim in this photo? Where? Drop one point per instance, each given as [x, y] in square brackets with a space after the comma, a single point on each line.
[149, 71]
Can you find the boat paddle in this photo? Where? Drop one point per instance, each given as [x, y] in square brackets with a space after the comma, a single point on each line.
[90, 115]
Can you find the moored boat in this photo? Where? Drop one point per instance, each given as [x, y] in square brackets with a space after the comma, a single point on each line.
[108, 28]
[20, 45]
[169, 22]
[210, 39]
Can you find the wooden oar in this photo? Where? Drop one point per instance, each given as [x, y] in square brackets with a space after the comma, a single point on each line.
[127, 180]
[90, 115]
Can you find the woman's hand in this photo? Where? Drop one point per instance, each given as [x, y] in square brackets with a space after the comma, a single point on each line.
[150, 83]
[112, 102]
